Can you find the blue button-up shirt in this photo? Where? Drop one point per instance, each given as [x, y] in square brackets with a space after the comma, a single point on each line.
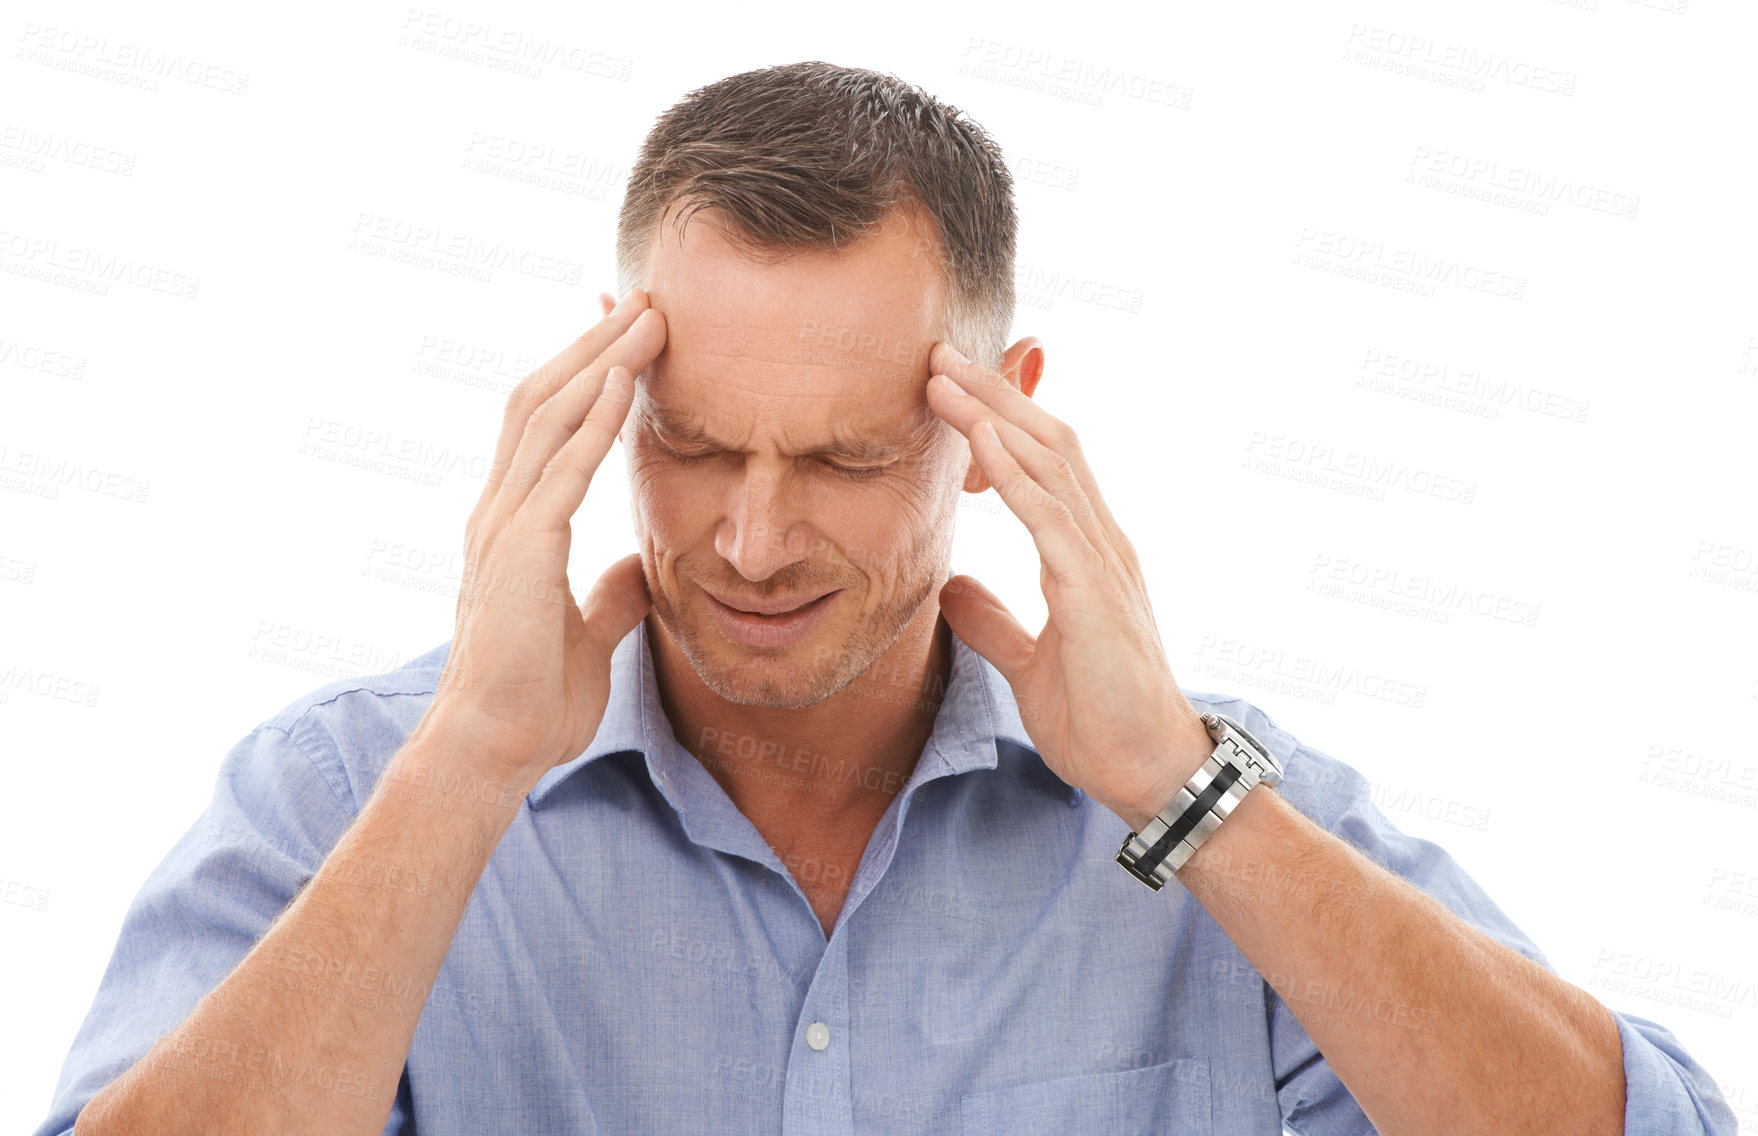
[636, 959]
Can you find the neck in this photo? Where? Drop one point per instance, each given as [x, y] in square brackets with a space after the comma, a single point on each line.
[844, 757]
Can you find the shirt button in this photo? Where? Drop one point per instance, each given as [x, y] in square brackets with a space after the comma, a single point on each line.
[817, 1035]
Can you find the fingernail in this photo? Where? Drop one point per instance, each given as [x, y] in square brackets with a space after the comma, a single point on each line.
[623, 304]
[953, 351]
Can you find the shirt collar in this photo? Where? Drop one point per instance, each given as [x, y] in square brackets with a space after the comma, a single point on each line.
[978, 710]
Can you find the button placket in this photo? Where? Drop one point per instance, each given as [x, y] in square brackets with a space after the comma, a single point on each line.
[816, 1097]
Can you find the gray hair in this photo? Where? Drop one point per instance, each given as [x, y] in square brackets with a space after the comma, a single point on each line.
[811, 156]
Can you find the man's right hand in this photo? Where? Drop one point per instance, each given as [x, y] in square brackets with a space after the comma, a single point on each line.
[528, 678]
[524, 689]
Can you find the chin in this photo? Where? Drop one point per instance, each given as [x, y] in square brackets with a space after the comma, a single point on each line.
[737, 676]
[790, 678]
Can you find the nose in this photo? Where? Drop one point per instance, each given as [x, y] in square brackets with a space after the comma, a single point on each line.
[758, 535]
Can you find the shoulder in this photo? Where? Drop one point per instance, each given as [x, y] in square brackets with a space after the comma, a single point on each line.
[418, 677]
[349, 728]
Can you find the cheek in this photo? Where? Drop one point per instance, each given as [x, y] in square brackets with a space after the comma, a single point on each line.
[892, 528]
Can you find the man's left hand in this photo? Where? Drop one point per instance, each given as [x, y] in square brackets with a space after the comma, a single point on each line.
[1095, 692]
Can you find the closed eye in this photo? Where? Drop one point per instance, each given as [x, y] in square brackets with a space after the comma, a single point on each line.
[862, 473]
[853, 473]
[685, 459]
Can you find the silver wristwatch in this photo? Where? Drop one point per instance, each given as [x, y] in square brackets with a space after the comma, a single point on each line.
[1239, 762]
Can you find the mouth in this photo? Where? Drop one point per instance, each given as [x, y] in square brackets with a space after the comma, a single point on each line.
[769, 609]
[781, 622]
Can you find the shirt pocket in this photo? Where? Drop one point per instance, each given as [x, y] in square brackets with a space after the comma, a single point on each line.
[1169, 1099]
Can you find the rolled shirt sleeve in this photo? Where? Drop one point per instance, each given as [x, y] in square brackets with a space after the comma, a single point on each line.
[277, 810]
[1667, 1092]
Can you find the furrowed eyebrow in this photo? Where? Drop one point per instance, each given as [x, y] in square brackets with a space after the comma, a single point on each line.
[850, 444]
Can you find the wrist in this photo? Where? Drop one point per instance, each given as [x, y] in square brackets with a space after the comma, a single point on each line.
[444, 759]
[1188, 753]
[1236, 763]
[1246, 828]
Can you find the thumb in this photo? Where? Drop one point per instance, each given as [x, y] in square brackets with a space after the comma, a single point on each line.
[978, 617]
[616, 603]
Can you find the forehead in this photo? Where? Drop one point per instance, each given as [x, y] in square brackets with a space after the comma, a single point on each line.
[821, 344]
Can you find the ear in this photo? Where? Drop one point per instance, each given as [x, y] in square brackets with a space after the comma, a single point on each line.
[607, 301]
[1022, 365]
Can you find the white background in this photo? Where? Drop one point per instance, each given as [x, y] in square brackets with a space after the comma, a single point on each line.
[1568, 185]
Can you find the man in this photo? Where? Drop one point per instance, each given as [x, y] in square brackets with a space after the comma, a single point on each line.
[783, 827]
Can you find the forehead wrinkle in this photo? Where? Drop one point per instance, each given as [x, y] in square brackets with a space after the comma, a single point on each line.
[681, 425]
[852, 442]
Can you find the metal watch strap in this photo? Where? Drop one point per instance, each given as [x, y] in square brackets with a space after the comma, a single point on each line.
[1168, 841]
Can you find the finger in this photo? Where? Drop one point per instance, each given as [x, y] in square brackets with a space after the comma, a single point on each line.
[559, 418]
[616, 603]
[979, 618]
[556, 497]
[533, 390]
[538, 386]
[1017, 407]
[1071, 559]
[1051, 472]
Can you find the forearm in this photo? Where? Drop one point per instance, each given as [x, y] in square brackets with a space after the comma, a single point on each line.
[310, 1032]
[1431, 1025]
